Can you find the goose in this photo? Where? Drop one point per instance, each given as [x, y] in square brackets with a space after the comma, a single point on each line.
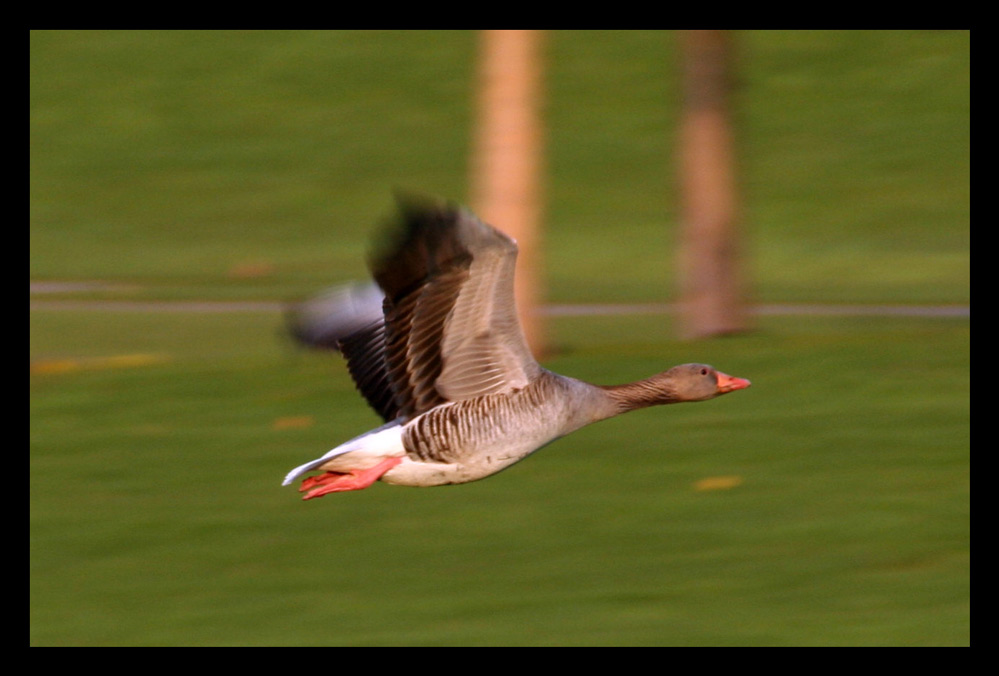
[438, 352]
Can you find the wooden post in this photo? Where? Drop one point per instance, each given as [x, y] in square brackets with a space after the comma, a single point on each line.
[710, 282]
[506, 158]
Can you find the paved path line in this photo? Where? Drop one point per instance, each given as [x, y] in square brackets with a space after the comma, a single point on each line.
[573, 310]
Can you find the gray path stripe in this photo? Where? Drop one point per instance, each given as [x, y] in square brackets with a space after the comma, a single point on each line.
[574, 310]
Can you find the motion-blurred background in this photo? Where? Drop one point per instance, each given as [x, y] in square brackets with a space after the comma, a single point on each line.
[183, 185]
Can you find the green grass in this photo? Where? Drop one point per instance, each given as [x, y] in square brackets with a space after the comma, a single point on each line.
[168, 160]
[157, 517]
[166, 163]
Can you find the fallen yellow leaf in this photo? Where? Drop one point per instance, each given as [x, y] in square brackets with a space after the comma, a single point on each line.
[49, 366]
[128, 361]
[717, 483]
[293, 422]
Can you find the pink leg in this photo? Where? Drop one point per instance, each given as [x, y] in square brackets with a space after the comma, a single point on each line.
[336, 482]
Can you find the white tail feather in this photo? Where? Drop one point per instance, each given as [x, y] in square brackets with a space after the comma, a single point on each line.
[381, 442]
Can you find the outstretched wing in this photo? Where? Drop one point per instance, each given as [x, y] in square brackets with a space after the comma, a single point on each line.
[450, 322]
[440, 326]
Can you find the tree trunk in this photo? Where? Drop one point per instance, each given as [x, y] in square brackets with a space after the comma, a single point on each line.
[506, 169]
[710, 281]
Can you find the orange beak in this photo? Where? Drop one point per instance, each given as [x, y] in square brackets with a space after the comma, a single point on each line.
[727, 383]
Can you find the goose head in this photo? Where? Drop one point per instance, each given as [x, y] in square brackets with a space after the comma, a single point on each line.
[697, 382]
[686, 382]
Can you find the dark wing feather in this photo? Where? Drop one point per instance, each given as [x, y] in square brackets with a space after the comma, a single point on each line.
[446, 329]
[451, 331]
[420, 270]
[323, 320]
[350, 318]
[365, 355]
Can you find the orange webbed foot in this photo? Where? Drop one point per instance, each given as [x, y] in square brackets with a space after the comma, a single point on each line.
[338, 482]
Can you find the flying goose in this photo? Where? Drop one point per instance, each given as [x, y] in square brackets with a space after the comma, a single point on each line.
[443, 360]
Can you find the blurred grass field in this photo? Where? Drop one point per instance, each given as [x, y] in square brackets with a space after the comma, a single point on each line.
[827, 505]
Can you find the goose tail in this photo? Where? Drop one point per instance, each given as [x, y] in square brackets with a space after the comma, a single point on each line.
[381, 442]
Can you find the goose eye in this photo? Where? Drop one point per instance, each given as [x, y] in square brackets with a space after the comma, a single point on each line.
[704, 372]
